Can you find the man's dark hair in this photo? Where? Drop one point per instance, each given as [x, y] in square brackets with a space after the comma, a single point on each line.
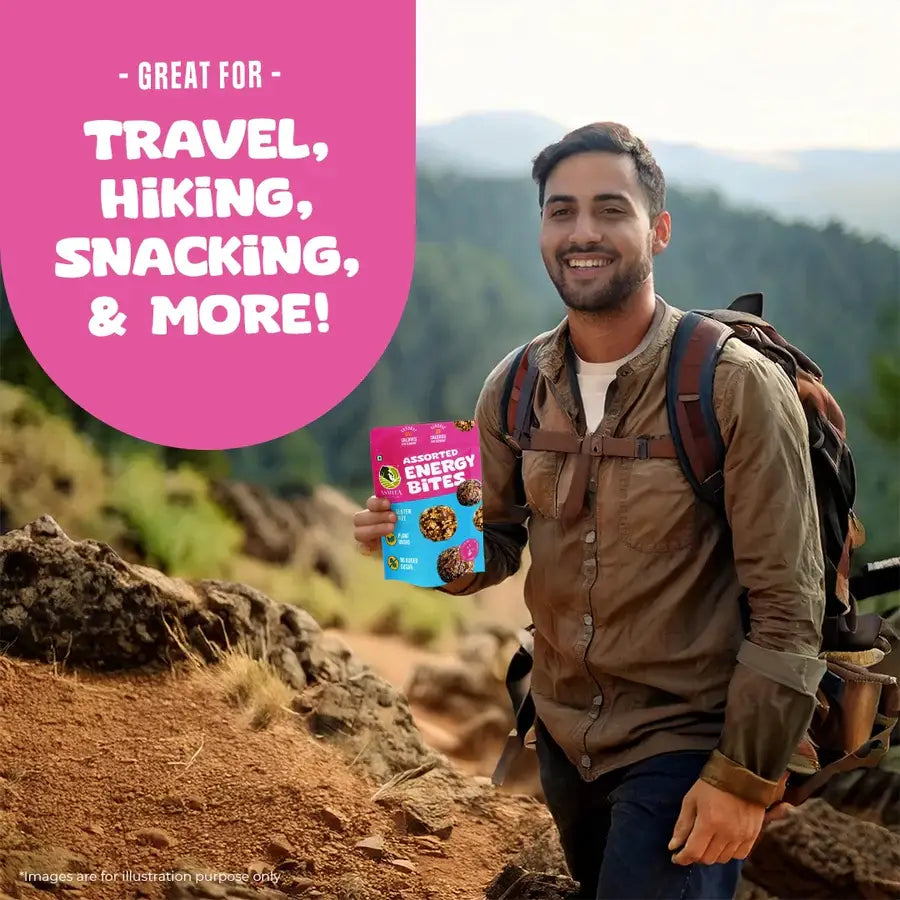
[604, 137]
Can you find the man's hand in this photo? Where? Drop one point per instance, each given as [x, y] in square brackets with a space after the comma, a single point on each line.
[715, 826]
[371, 524]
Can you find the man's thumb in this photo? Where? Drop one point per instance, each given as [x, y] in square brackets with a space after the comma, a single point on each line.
[684, 824]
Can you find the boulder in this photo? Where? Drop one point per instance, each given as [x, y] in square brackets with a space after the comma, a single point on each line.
[79, 602]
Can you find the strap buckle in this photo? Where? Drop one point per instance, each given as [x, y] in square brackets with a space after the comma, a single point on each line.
[643, 448]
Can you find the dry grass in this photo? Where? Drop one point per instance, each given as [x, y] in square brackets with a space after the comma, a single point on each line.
[253, 685]
[247, 682]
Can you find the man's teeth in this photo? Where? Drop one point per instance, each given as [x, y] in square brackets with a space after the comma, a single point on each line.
[588, 263]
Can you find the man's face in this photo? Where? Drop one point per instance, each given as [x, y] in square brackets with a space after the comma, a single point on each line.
[597, 240]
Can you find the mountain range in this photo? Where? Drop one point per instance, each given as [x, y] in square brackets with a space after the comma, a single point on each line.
[858, 188]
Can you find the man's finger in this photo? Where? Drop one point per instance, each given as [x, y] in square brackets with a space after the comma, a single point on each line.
[364, 517]
[713, 851]
[684, 824]
[378, 504]
[744, 850]
[728, 853]
[370, 533]
[694, 848]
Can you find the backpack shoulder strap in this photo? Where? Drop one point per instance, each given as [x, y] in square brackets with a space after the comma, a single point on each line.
[518, 394]
[693, 355]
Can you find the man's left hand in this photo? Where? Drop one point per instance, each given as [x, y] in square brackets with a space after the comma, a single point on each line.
[715, 826]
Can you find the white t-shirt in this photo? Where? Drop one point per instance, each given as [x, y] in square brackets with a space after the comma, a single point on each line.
[594, 380]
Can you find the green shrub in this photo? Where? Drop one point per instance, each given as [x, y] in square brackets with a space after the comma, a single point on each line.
[46, 468]
[181, 531]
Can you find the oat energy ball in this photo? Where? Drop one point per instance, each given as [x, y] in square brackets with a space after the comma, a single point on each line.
[450, 566]
[465, 424]
[438, 523]
[478, 518]
[469, 492]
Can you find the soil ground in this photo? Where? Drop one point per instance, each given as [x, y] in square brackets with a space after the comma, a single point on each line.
[140, 773]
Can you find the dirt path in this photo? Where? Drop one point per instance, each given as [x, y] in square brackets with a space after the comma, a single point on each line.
[143, 773]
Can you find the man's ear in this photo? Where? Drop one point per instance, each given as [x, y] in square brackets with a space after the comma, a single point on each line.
[662, 232]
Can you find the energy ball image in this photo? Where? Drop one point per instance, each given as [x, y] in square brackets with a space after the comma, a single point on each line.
[478, 518]
[438, 523]
[451, 566]
[469, 492]
[465, 424]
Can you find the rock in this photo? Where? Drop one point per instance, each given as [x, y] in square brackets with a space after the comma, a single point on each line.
[405, 864]
[79, 600]
[333, 820]
[430, 846]
[278, 847]
[296, 884]
[372, 846]
[270, 525]
[541, 850]
[515, 883]
[194, 803]
[424, 803]
[423, 815]
[289, 668]
[372, 722]
[154, 837]
[259, 867]
[93, 828]
[820, 852]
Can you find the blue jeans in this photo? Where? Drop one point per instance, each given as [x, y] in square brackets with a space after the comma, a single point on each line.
[615, 831]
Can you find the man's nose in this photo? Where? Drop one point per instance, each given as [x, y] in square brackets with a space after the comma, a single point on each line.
[585, 230]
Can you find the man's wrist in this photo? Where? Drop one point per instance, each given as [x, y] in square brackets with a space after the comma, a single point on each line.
[727, 775]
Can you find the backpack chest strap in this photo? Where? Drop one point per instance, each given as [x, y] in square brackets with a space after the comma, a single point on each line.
[588, 447]
[600, 445]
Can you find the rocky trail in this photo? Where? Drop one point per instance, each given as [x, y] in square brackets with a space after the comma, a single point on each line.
[165, 738]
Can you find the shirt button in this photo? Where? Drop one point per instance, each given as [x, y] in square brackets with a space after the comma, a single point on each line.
[588, 620]
[590, 537]
[598, 700]
[594, 713]
[586, 762]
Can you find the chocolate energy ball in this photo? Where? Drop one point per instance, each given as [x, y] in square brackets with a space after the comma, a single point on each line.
[438, 523]
[469, 492]
[450, 566]
[465, 424]
[478, 518]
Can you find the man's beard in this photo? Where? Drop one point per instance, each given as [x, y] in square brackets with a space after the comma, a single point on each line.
[610, 296]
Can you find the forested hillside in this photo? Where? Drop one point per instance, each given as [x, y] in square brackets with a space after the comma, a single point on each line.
[479, 289]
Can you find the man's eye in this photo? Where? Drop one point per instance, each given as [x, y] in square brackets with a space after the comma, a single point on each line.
[611, 211]
[558, 212]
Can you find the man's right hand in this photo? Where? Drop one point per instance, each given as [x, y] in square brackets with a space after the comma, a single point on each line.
[371, 524]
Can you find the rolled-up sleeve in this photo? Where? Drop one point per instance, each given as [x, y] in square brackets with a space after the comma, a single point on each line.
[505, 534]
[771, 507]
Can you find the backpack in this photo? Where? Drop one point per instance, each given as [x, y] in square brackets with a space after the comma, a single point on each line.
[857, 709]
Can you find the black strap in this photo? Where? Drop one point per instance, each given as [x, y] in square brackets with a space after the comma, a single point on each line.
[517, 686]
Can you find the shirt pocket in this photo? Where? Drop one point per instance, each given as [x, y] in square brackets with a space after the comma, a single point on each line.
[657, 506]
[540, 475]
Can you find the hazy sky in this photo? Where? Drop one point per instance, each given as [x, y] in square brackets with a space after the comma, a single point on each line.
[731, 74]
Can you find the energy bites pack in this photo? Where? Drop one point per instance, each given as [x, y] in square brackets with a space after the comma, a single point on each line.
[431, 473]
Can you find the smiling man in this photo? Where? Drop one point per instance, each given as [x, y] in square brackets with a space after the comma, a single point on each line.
[664, 726]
